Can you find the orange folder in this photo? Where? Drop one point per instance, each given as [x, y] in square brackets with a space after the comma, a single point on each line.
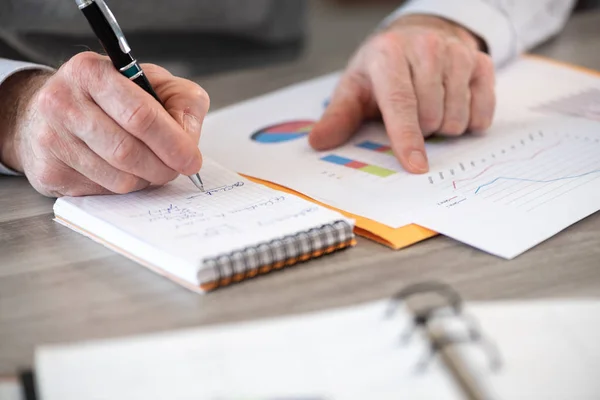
[395, 238]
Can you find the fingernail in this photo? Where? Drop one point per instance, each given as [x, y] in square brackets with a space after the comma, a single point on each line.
[191, 124]
[417, 160]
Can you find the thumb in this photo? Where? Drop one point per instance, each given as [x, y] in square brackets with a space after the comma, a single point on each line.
[342, 118]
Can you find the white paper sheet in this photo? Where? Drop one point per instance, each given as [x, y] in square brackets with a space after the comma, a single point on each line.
[10, 389]
[547, 349]
[533, 96]
[351, 353]
[523, 191]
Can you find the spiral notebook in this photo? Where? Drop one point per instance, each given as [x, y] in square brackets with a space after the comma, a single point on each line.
[425, 343]
[234, 231]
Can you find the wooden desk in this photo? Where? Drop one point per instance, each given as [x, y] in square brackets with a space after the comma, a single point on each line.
[57, 286]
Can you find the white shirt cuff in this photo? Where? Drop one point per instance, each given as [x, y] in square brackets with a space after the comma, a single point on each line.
[483, 19]
[8, 68]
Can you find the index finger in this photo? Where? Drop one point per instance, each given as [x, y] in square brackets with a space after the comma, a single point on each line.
[393, 89]
[140, 115]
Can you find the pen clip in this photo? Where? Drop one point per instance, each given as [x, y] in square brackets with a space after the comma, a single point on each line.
[112, 21]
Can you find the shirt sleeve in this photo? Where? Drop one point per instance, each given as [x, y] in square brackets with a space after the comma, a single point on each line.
[508, 27]
[8, 68]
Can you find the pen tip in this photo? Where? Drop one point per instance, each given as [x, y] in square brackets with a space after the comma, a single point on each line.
[197, 182]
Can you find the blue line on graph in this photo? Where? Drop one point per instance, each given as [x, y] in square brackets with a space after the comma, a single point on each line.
[536, 181]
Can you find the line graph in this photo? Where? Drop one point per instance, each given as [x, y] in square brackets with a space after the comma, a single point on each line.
[537, 153]
[537, 181]
[491, 158]
[529, 176]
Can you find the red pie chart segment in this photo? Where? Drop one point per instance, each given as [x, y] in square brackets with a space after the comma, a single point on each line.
[283, 132]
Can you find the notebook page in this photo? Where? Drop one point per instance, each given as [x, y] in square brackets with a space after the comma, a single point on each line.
[549, 350]
[233, 213]
[350, 353]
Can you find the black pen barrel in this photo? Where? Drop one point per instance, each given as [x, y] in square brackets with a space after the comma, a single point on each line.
[108, 39]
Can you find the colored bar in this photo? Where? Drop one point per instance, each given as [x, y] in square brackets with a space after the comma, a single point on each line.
[337, 159]
[384, 149]
[356, 164]
[375, 170]
[360, 166]
[369, 145]
[380, 148]
[278, 137]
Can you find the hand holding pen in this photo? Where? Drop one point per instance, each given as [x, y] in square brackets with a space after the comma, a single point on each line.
[112, 39]
[85, 129]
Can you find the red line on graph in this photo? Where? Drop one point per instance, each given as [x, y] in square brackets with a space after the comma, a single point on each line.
[537, 153]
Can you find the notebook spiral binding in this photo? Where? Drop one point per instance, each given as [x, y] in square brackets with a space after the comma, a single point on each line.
[451, 306]
[276, 254]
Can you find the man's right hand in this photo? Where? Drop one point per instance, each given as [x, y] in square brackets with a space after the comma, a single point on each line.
[87, 129]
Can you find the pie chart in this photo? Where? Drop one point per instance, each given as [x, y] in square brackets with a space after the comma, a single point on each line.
[283, 132]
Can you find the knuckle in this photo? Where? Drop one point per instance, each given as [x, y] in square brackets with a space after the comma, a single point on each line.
[50, 99]
[140, 118]
[85, 69]
[461, 55]
[55, 102]
[383, 41]
[485, 61]
[431, 41]
[85, 127]
[386, 44]
[84, 59]
[47, 139]
[126, 152]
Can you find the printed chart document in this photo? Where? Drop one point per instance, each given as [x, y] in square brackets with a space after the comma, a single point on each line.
[505, 190]
[527, 189]
[233, 231]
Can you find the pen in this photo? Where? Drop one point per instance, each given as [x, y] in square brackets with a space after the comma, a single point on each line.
[112, 39]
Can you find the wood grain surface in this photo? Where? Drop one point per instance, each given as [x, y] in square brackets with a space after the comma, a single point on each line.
[57, 286]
